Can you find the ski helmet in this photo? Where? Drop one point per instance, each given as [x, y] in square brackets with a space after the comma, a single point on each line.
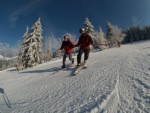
[65, 37]
[81, 30]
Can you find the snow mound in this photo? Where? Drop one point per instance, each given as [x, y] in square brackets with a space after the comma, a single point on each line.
[1, 56]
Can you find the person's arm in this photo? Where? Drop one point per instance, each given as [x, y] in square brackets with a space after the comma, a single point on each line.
[71, 43]
[90, 42]
[78, 43]
[61, 46]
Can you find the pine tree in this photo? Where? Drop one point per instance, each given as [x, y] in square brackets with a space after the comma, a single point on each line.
[47, 49]
[89, 26]
[22, 59]
[32, 46]
[19, 60]
[100, 38]
[114, 35]
[35, 48]
[89, 29]
[109, 34]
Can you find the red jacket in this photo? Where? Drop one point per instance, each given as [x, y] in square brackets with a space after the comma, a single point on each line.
[85, 41]
[67, 46]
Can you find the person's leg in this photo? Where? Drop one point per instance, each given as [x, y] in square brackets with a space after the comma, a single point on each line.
[64, 60]
[86, 55]
[70, 58]
[79, 57]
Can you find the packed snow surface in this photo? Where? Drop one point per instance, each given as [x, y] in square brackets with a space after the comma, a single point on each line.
[116, 81]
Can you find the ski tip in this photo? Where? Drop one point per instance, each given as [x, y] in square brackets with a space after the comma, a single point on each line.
[84, 67]
[75, 74]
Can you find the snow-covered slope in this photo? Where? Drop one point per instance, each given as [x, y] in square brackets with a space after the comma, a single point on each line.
[116, 81]
[5, 61]
[8, 58]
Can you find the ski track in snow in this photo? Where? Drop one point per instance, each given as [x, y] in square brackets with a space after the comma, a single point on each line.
[116, 81]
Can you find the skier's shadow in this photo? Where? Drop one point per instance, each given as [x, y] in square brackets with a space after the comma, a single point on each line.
[42, 71]
[6, 100]
[72, 72]
[11, 70]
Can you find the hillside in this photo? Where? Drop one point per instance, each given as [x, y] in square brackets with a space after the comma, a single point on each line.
[116, 81]
[7, 61]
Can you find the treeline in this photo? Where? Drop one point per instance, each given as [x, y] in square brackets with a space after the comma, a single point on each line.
[34, 51]
[136, 33]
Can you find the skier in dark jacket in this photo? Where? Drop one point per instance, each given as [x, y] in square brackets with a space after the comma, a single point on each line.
[67, 45]
[84, 42]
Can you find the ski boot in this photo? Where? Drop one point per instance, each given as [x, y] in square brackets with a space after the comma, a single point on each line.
[72, 61]
[78, 65]
[84, 64]
[63, 66]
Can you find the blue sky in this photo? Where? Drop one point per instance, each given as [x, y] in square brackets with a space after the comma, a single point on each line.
[61, 16]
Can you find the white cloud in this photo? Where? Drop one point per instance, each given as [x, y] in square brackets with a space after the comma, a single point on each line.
[25, 9]
[6, 51]
[4, 46]
[135, 20]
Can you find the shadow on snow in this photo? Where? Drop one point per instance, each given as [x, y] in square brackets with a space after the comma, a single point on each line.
[6, 100]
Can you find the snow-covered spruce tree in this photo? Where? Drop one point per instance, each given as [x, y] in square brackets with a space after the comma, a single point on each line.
[109, 34]
[47, 49]
[32, 46]
[19, 60]
[35, 48]
[114, 35]
[100, 39]
[22, 58]
[56, 43]
[89, 27]
[59, 43]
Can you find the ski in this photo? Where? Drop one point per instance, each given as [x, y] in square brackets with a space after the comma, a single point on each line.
[70, 67]
[61, 69]
[77, 70]
[58, 70]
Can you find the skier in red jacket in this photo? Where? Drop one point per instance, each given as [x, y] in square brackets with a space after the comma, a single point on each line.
[84, 42]
[67, 45]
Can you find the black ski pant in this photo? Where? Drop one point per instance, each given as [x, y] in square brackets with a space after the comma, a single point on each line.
[65, 56]
[86, 55]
